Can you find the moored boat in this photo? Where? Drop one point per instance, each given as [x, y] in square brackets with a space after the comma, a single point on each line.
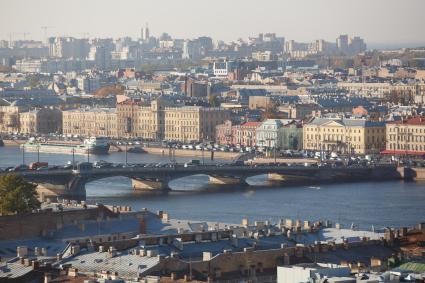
[93, 145]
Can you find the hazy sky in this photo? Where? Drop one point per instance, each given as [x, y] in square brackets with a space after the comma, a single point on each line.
[378, 21]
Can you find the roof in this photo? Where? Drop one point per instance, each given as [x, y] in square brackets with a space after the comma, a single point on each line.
[251, 124]
[416, 121]
[347, 122]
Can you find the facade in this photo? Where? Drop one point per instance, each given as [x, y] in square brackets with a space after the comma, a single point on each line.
[267, 133]
[291, 136]
[245, 134]
[193, 123]
[196, 88]
[137, 120]
[9, 117]
[99, 122]
[224, 133]
[406, 136]
[256, 102]
[40, 121]
[298, 111]
[160, 121]
[357, 136]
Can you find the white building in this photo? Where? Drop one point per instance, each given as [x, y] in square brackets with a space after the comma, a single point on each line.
[311, 272]
[221, 69]
[267, 133]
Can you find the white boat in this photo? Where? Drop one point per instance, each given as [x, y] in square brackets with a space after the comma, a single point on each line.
[94, 145]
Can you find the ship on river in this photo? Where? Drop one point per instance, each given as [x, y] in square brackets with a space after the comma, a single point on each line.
[93, 145]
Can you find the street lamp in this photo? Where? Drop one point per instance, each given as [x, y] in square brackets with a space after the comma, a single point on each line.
[23, 154]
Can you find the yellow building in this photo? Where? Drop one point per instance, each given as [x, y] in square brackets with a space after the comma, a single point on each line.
[355, 136]
[160, 120]
[138, 120]
[40, 121]
[193, 123]
[9, 116]
[100, 122]
[406, 136]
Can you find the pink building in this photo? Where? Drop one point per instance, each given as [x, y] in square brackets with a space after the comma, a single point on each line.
[243, 135]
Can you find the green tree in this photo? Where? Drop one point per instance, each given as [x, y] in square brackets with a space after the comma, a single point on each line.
[17, 195]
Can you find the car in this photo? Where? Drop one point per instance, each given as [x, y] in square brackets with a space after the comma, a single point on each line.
[238, 163]
[21, 167]
[42, 168]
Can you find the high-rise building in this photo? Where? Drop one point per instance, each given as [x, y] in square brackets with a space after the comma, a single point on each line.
[145, 33]
[342, 43]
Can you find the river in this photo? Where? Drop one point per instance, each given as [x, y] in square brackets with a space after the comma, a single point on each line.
[381, 204]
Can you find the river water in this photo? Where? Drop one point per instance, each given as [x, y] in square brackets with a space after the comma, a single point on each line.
[381, 204]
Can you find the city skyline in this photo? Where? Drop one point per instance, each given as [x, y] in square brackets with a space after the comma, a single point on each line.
[313, 20]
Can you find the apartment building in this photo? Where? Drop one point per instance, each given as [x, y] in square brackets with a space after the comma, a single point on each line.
[90, 122]
[160, 120]
[406, 136]
[40, 121]
[9, 116]
[193, 123]
[355, 136]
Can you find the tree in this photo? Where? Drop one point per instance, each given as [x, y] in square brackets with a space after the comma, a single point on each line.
[17, 195]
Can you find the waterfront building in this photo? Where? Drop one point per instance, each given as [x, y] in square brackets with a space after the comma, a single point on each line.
[267, 133]
[224, 133]
[245, 134]
[406, 136]
[291, 136]
[40, 121]
[359, 136]
[193, 123]
[160, 120]
[9, 116]
[90, 122]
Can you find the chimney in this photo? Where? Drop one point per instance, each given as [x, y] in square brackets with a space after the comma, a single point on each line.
[206, 256]
[22, 251]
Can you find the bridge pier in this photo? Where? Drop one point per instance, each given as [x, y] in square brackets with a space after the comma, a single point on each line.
[150, 185]
[279, 179]
[227, 180]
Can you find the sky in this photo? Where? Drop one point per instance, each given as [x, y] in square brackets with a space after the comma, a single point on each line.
[392, 22]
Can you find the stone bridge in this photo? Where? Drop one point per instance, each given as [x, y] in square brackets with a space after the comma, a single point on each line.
[71, 183]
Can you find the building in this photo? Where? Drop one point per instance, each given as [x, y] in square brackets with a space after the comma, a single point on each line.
[193, 123]
[40, 121]
[9, 116]
[224, 133]
[88, 84]
[291, 136]
[406, 136]
[195, 88]
[245, 134]
[144, 121]
[221, 69]
[310, 272]
[256, 102]
[161, 120]
[355, 136]
[90, 122]
[267, 133]
[298, 111]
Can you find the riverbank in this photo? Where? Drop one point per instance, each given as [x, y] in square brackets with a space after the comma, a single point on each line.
[158, 151]
[13, 142]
